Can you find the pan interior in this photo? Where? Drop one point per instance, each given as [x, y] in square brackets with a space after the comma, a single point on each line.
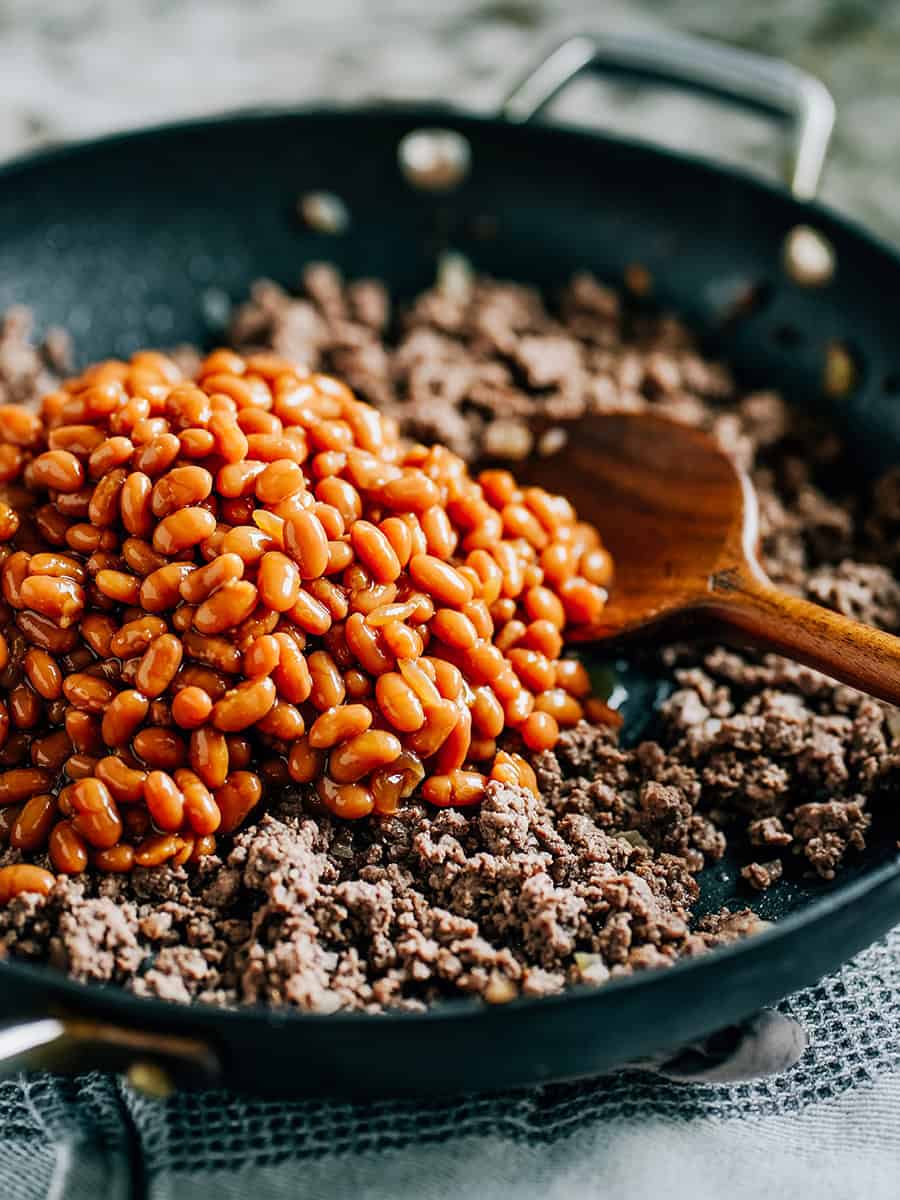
[148, 241]
[720, 884]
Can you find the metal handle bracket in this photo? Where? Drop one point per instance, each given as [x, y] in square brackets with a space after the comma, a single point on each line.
[766, 85]
[155, 1062]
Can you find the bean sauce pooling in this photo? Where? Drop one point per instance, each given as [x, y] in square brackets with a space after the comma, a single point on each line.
[216, 587]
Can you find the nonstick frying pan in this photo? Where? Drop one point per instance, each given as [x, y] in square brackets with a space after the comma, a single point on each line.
[134, 239]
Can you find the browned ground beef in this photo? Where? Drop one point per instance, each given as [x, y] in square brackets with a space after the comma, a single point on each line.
[596, 878]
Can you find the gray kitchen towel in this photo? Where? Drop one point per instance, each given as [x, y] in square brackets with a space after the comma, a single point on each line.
[830, 1124]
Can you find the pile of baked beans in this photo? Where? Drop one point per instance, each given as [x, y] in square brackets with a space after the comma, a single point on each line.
[220, 586]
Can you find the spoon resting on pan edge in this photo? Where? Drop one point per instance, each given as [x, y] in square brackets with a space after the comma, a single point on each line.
[680, 519]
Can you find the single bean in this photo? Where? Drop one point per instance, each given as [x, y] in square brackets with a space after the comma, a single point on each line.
[337, 724]
[180, 488]
[283, 721]
[304, 762]
[95, 817]
[164, 800]
[214, 652]
[262, 656]
[88, 692]
[62, 600]
[399, 703]
[562, 706]
[34, 821]
[43, 673]
[156, 849]
[105, 502]
[307, 544]
[292, 677]
[374, 551]
[57, 469]
[117, 859]
[183, 529]
[244, 705]
[23, 877]
[350, 801]
[135, 504]
[160, 748]
[58, 565]
[51, 750]
[442, 581]
[237, 797]
[124, 715]
[68, 849]
[356, 757]
[119, 586]
[208, 756]
[161, 589]
[159, 665]
[199, 805]
[226, 607]
[199, 585]
[125, 783]
[191, 707]
[327, 683]
[278, 581]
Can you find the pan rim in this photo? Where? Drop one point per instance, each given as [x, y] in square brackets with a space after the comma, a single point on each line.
[113, 997]
[56, 986]
[419, 113]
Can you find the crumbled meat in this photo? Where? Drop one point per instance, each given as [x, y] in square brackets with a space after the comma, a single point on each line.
[827, 830]
[762, 875]
[307, 912]
[768, 831]
[28, 370]
[865, 591]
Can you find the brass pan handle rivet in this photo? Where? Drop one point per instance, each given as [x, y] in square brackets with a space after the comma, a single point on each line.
[324, 212]
[808, 257]
[150, 1079]
[434, 160]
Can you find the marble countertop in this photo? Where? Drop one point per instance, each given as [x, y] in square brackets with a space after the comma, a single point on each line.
[74, 68]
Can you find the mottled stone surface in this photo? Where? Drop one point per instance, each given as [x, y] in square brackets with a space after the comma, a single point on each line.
[72, 68]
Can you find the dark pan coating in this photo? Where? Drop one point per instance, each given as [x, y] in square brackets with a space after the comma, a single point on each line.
[552, 201]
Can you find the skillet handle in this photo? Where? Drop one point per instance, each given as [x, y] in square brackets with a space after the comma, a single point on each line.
[155, 1063]
[766, 85]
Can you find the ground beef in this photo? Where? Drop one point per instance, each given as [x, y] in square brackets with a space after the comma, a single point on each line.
[596, 877]
[523, 894]
[28, 370]
[762, 875]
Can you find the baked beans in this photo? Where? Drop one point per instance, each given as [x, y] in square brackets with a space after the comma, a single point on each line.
[248, 579]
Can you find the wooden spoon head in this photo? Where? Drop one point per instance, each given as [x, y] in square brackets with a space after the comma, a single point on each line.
[677, 515]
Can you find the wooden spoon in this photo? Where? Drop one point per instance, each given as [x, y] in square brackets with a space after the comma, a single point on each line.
[681, 521]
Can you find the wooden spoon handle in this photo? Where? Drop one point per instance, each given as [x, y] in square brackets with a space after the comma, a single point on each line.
[843, 648]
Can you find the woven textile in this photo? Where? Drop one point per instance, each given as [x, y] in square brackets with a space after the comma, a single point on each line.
[93, 1137]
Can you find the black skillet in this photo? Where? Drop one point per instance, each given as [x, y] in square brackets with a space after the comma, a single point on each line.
[135, 240]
